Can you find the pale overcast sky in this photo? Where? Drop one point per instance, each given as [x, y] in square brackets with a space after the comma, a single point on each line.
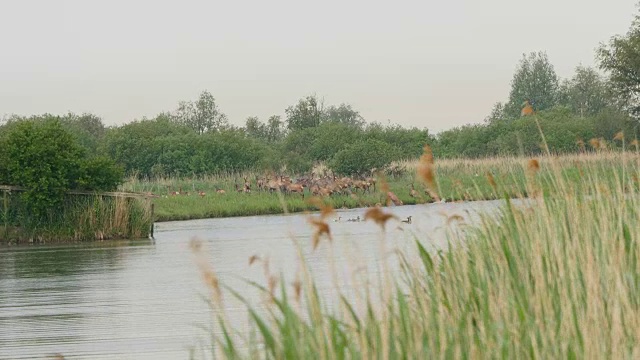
[434, 64]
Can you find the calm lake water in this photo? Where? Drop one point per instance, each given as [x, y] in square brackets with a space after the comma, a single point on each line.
[146, 299]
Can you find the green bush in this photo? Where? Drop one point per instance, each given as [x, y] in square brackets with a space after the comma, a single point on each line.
[47, 160]
[100, 174]
[363, 156]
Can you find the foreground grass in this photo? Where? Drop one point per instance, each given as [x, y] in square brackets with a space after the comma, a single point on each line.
[558, 279]
[458, 180]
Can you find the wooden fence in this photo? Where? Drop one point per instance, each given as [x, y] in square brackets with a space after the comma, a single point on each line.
[9, 190]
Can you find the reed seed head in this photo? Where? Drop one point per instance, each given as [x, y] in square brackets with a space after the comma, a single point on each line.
[321, 228]
[492, 181]
[619, 136]
[325, 209]
[533, 166]
[253, 259]
[378, 216]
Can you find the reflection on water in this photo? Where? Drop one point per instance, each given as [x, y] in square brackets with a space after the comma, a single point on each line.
[144, 299]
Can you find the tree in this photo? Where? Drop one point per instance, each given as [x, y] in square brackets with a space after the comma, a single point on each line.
[585, 93]
[203, 115]
[343, 114]
[45, 159]
[535, 80]
[331, 137]
[621, 59]
[307, 113]
[100, 173]
[87, 128]
[363, 156]
[497, 113]
[255, 128]
[136, 145]
[275, 130]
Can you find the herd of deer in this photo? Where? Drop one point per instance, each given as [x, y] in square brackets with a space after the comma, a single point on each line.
[315, 185]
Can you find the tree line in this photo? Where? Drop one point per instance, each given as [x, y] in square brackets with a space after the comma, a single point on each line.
[197, 138]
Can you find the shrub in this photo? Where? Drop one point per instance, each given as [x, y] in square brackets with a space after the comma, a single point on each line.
[363, 156]
[45, 159]
[100, 174]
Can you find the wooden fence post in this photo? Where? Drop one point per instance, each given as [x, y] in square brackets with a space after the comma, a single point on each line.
[152, 217]
[6, 212]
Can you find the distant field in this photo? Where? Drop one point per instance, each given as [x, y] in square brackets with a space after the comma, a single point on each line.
[457, 180]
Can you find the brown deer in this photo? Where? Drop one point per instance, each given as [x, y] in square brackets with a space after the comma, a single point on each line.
[273, 185]
[260, 184]
[295, 188]
[413, 193]
[361, 184]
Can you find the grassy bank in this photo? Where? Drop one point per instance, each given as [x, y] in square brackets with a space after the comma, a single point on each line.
[79, 218]
[558, 280]
[456, 180]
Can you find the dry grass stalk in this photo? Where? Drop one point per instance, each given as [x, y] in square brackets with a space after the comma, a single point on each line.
[533, 166]
[297, 289]
[492, 181]
[253, 259]
[321, 228]
[209, 276]
[325, 209]
[619, 136]
[426, 172]
[455, 218]
[378, 216]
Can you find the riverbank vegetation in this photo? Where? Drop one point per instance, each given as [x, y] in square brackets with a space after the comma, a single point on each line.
[556, 278]
[52, 188]
[78, 217]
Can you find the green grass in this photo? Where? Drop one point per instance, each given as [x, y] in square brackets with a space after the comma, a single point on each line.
[457, 180]
[557, 280]
[80, 218]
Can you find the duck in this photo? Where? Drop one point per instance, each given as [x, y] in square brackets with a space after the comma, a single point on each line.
[407, 221]
[355, 220]
[338, 219]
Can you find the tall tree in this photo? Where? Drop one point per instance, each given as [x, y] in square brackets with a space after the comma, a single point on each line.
[255, 128]
[621, 59]
[585, 93]
[275, 129]
[343, 114]
[305, 114]
[202, 115]
[497, 113]
[535, 80]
